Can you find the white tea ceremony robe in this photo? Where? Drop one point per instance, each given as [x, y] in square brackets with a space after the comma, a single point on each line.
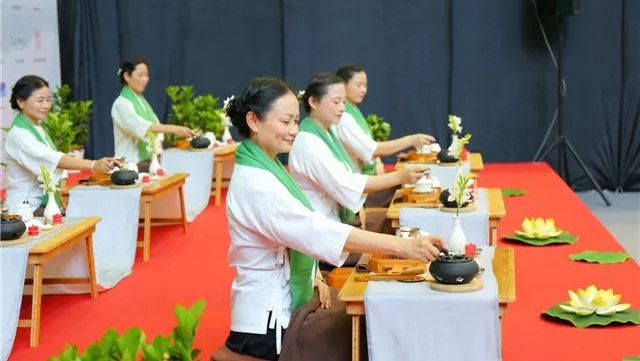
[326, 181]
[24, 155]
[128, 128]
[356, 141]
[265, 220]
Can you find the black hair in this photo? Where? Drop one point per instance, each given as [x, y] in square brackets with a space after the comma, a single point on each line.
[318, 87]
[347, 71]
[128, 67]
[258, 97]
[24, 87]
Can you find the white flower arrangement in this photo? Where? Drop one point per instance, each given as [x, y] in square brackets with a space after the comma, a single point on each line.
[152, 143]
[226, 102]
[300, 94]
[455, 124]
[459, 191]
[119, 71]
[460, 144]
[48, 182]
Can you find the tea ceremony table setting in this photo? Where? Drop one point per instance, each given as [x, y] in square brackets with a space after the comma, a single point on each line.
[37, 250]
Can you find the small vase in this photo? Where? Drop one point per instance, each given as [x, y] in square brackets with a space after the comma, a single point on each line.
[454, 144]
[457, 239]
[51, 209]
[155, 165]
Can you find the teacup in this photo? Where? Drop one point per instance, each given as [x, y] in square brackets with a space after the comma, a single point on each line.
[408, 232]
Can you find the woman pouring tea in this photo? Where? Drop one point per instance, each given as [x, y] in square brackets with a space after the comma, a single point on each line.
[276, 237]
[28, 147]
[133, 117]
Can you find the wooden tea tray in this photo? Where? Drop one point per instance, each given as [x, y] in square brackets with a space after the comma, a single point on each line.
[470, 208]
[384, 263]
[414, 156]
[474, 285]
[409, 196]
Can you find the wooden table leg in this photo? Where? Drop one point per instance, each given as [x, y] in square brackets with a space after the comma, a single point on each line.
[36, 303]
[146, 248]
[183, 209]
[218, 196]
[494, 236]
[92, 266]
[355, 338]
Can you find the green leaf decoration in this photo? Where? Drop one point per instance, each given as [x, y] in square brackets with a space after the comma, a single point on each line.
[600, 257]
[564, 237]
[513, 192]
[628, 316]
[632, 358]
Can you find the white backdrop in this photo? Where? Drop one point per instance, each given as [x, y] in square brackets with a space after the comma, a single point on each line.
[29, 45]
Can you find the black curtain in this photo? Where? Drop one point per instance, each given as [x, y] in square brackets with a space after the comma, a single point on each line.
[484, 61]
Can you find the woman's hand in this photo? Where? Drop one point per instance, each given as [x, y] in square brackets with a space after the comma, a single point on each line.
[418, 140]
[324, 293]
[425, 249]
[411, 173]
[183, 132]
[105, 164]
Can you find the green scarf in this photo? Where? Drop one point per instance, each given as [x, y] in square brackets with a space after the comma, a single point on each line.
[302, 266]
[21, 122]
[144, 110]
[367, 168]
[337, 150]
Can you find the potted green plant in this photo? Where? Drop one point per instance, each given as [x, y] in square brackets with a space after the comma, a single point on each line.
[195, 112]
[68, 121]
[380, 130]
[131, 346]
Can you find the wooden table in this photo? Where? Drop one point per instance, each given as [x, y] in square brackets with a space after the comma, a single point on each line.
[352, 293]
[150, 192]
[475, 163]
[497, 211]
[222, 154]
[174, 182]
[42, 252]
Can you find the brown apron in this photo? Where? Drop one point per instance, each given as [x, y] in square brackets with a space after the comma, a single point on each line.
[317, 334]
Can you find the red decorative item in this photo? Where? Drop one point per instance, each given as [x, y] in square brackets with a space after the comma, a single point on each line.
[33, 230]
[57, 218]
[463, 155]
[470, 249]
[160, 172]
[229, 141]
[146, 178]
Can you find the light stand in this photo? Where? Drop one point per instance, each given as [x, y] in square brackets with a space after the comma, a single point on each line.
[561, 140]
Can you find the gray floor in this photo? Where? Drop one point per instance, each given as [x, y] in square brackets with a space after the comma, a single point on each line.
[622, 219]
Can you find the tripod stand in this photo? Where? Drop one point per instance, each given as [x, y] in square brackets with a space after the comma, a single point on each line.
[561, 140]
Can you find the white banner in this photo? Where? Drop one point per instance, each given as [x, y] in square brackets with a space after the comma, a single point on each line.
[29, 45]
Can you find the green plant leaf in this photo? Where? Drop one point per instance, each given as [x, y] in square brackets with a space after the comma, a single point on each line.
[513, 192]
[632, 358]
[380, 130]
[564, 237]
[132, 340]
[599, 257]
[628, 316]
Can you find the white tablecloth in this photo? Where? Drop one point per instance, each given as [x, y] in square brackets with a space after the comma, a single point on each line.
[197, 188]
[475, 224]
[13, 264]
[114, 241]
[410, 321]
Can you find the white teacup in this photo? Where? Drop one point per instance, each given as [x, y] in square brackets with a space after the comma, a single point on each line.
[435, 147]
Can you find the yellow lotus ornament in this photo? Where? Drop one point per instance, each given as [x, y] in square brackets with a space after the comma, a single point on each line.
[592, 299]
[539, 228]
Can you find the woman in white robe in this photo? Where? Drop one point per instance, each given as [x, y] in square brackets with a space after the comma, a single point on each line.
[354, 132]
[133, 116]
[27, 147]
[319, 162]
[272, 227]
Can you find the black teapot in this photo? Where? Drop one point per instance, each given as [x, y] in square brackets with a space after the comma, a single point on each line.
[454, 269]
[445, 157]
[444, 199]
[12, 227]
[200, 142]
[124, 177]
